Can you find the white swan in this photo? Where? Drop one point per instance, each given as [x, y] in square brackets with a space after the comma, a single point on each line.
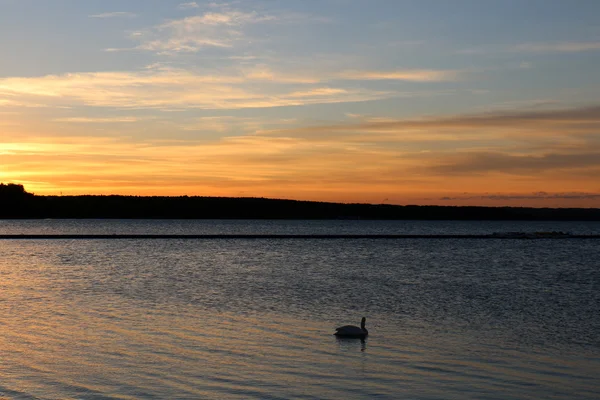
[351, 331]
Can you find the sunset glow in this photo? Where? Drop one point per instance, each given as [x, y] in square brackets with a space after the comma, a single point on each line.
[399, 102]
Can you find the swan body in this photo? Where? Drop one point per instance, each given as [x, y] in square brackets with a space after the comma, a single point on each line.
[351, 331]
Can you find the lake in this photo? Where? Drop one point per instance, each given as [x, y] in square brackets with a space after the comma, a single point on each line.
[243, 319]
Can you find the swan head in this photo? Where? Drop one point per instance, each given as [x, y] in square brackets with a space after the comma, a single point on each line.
[362, 323]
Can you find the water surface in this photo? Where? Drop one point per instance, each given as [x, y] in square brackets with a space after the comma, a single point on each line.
[238, 319]
[301, 227]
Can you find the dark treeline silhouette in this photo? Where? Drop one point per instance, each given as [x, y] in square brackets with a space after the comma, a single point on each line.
[15, 202]
[13, 191]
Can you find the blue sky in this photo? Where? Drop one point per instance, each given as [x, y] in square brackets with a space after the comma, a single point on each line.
[292, 98]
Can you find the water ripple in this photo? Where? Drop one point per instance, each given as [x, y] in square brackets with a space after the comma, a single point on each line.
[241, 319]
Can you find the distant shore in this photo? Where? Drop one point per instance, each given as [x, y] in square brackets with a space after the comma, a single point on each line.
[16, 203]
[131, 207]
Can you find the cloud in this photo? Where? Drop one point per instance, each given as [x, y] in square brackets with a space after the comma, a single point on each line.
[558, 47]
[188, 6]
[116, 14]
[160, 86]
[191, 34]
[525, 65]
[319, 92]
[167, 88]
[262, 72]
[536, 47]
[226, 124]
[424, 75]
[354, 115]
[575, 120]
[222, 27]
[11, 103]
[86, 120]
[118, 49]
[538, 145]
[543, 103]
[532, 196]
[485, 162]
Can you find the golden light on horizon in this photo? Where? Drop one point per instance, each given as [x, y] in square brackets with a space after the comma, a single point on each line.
[371, 161]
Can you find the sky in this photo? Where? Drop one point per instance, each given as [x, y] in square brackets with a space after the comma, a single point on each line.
[464, 102]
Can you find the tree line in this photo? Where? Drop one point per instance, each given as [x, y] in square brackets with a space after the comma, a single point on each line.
[16, 202]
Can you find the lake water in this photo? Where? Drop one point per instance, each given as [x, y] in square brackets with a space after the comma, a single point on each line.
[240, 319]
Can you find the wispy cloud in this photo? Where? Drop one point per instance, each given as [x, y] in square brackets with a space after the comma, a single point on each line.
[262, 72]
[191, 34]
[319, 92]
[419, 75]
[532, 196]
[87, 120]
[485, 162]
[537, 146]
[12, 103]
[188, 6]
[227, 123]
[536, 47]
[578, 120]
[115, 14]
[221, 27]
[558, 47]
[522, 105]
[162, 87]
[172, 88]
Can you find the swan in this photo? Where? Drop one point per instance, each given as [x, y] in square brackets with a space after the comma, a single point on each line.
[351, 331]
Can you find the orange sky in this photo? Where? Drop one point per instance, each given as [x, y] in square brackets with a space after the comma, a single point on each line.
[538, 158]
